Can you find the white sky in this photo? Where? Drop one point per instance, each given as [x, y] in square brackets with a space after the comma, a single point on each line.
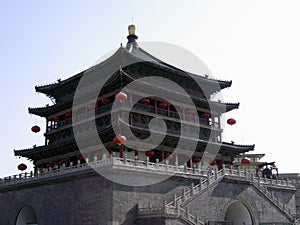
[254, 43]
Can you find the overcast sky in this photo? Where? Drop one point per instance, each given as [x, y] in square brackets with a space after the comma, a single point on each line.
[254, 43]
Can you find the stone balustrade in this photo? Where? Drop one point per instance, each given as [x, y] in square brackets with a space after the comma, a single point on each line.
[149, 167]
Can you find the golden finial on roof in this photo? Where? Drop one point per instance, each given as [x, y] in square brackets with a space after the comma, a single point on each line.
[131, 29]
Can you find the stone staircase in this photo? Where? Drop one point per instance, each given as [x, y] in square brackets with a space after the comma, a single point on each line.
[170, 212]
[205, 184]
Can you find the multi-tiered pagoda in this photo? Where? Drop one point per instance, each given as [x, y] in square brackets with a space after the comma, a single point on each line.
[153, 133]
[61, 149]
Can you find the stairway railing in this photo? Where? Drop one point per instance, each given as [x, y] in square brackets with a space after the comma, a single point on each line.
[206, 184]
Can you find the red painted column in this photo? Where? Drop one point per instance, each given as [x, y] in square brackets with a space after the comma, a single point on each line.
[136, 154]
[155, 106]
[191, 163]
[168, 110]
[122, 151]
[109, 152]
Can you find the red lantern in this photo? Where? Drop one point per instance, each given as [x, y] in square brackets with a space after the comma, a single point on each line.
[196, 160]
[56, 118]
[231, 121]
[90, 107]
[120, 139]
[105, 101]
[121, 97]
[163, 105]
[149, 153]
[22, 167]
[213, 163]
[145, 101]
[245, 161]
[35, 129]
[81, 158]
[169, 156]
[190, 111]
[60, 163]
[50, 165]
[68, 115]
[205, 115]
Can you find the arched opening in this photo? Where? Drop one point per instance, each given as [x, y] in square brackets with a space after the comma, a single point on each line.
[238, 214]
[27, 216]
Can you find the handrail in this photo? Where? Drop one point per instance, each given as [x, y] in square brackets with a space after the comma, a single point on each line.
[178, 201]
[206, 183]
[170, 211]
[138, 106]
[144, 166]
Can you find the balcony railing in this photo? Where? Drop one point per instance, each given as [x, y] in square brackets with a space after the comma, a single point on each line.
[137, 107]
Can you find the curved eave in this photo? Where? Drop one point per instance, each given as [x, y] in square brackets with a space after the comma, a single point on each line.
[240, 148]
[49, 89]
[31, 153]
[50, 110]
[229, 149]
[147, 57]
[231, 106]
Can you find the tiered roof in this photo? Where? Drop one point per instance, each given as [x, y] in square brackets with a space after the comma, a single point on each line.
[63, 91]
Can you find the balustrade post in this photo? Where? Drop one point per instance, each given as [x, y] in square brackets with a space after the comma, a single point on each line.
[223, 169]
[147, 161]
[200, 184]
[187, 213]
[183, 195]
[192, 188]
[216, 173]
[167, 164]
[175, 200]
[125, 158]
